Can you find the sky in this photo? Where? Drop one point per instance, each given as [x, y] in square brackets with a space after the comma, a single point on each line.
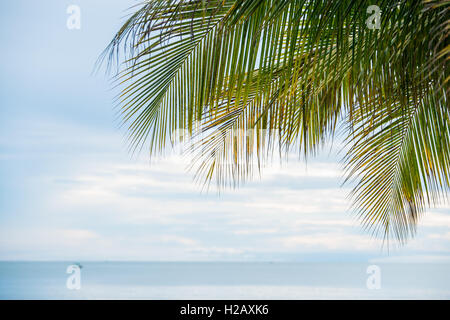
[70, 190]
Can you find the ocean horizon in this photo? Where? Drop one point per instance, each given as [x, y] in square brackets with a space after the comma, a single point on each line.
[222, 280]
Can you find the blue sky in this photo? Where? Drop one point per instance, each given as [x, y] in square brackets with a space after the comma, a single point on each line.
[69, 190]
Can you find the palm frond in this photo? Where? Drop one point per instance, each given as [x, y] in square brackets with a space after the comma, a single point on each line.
[247, 78]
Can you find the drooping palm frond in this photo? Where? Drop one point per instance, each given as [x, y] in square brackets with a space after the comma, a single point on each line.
[246, 78]
[401, 160]
[399, 129]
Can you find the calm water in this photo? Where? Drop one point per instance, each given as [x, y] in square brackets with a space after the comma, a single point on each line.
[172, 280]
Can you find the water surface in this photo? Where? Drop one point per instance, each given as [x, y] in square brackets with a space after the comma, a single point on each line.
[183, 280]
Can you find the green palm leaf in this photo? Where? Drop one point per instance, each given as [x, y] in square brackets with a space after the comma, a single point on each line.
[246, 78]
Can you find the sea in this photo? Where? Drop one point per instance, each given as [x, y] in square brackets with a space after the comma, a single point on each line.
[222, 280]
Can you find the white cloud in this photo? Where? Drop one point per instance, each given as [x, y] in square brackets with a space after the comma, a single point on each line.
[435, 219]
[297, 169]
[330, 241]
[178, 240]
[445, 236]
[256, 231]
[130, 209]
[413, 259]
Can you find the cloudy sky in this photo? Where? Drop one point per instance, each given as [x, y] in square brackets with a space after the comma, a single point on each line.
[69, 190]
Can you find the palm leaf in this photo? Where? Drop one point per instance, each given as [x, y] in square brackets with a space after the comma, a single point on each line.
[246, 78]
